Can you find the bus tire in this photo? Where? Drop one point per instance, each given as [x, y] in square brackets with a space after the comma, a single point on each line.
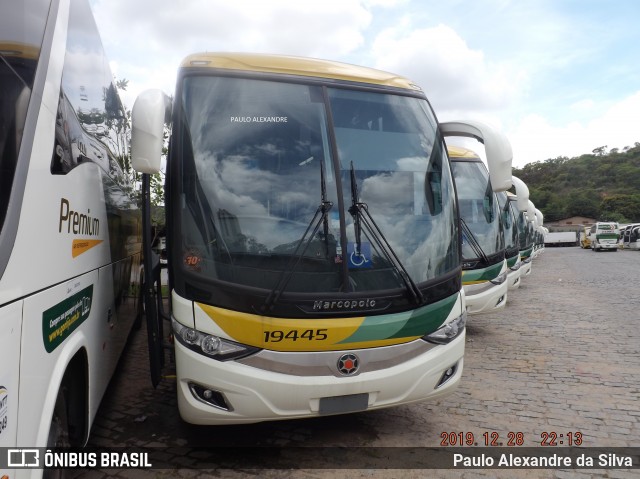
[59, 428]
[58, 433]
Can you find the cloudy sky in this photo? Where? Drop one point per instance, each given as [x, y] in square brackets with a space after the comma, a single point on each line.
[559, 77]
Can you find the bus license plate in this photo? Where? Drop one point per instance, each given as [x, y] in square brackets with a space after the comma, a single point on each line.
[344, 404]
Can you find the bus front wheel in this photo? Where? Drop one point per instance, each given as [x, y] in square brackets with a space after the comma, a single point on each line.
[58, 433]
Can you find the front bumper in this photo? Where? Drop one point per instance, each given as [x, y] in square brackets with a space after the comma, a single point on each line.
[251, 394]
[486, 297]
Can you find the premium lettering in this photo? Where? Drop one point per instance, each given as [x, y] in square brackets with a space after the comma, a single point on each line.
[76, 222]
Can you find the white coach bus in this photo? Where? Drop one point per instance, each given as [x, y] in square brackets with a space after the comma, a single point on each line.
[484, 263]
[70, 244]
[314, 241]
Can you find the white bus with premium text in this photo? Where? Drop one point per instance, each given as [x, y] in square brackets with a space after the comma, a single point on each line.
[70, 236]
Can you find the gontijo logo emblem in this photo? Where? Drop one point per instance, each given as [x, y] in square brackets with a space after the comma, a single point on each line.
[77, 223]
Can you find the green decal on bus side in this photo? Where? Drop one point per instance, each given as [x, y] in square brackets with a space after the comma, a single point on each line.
[512, 261]
[59, 321]
[417, 323]
[612, 236]
[481, 274]
[524, 254]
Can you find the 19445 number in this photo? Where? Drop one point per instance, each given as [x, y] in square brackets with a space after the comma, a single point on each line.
[276, 335]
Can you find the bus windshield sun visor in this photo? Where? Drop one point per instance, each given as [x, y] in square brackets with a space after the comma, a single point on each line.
[319, 218]
[361, 217]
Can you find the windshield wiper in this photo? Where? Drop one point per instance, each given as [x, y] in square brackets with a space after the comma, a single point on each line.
[473, 242]
[321, 217]
[362, 217]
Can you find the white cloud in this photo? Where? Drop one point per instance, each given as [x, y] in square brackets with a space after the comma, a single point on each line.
[583, 105]
[282, 26]
[535, 139]
[529, 69]
[160, 33]
[454, 76]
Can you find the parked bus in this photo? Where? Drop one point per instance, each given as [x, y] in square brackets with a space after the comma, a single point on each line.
[70, 244]
[520, 205]
[512, 245]
[604, 235]
[484, 267]
[532, 219]
[313, 238]
[630, 236]
[541, 231]
[633, 242]
[585, 242]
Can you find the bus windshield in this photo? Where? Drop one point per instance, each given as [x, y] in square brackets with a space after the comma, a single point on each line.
[525, 229]
[323, 186]
[508, 224]
[20, 43]
[16, 80]
[478, 209]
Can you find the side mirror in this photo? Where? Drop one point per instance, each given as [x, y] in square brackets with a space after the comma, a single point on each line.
[539, 216]
[522, 192]
[148, 116]
[531, 211]
[496, 146]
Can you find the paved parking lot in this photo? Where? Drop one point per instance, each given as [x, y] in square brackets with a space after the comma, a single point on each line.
[563, 358]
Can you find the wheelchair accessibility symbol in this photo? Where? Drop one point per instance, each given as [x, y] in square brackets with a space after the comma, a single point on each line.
[359, 259]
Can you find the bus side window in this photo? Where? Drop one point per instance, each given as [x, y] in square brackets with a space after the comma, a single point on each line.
[61, 161]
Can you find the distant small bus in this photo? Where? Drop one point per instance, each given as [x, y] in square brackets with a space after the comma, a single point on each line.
[585, 242]
[604, 235]
[630, 236]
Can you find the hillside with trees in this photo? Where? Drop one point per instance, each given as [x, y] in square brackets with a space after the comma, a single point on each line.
[604, 185]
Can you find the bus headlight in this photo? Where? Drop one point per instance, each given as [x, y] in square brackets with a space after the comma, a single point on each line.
[501, 278]
[448, 332]
[210, 345]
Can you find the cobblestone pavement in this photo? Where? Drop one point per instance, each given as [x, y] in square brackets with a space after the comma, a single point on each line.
[562, 357]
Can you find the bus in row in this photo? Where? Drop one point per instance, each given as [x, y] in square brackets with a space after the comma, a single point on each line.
[70, 232]
[630, 236]
[521, 206]
[484, 268]
[499, 238]
[604, 236]
[314, 239]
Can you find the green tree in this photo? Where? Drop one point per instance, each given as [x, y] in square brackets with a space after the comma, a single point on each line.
[582, 203]
[624, 207]
[599, 184]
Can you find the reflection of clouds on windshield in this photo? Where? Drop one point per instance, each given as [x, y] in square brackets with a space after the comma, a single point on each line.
[395, 200]
[413, 163]
[232, 185]
[387, 193]
[435, 244]
[480, 212]
[273, 208]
